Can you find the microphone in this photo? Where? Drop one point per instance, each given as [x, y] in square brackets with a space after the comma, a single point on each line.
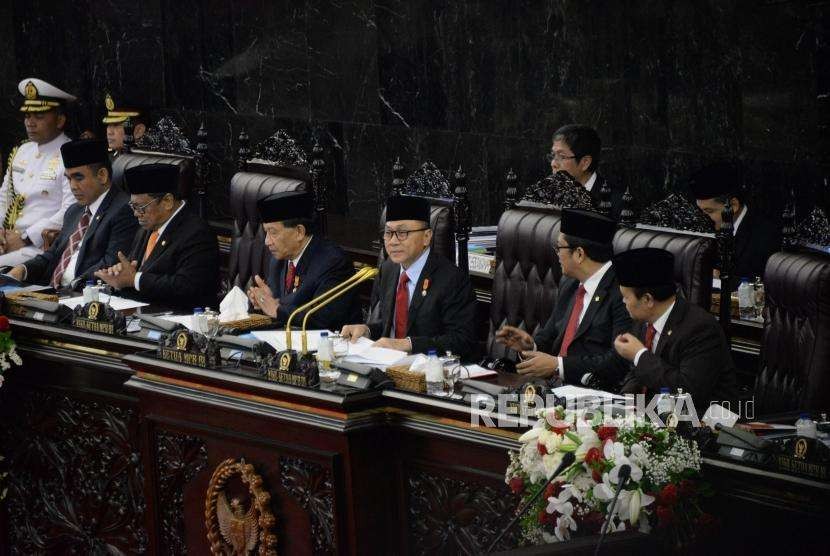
[622, 477]
[567, 460]
[288, 357]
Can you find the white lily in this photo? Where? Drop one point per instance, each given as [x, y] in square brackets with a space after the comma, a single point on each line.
[551, 462]
[636, 471]
[589, 440]
[530, 435]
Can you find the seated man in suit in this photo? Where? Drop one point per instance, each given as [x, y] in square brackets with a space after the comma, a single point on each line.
[304, 264]
[174, 259]
[577, 342]
[576, 149]
[756, 237]
[420, 301]
[95, 228]
[673, 343]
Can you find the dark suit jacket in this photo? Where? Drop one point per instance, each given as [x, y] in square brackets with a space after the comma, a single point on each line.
[592, 349]
[691, 354]
[111, 230]
[443, 319]
[322, 266]
[756, 240]
[182, 272]
[616, 196]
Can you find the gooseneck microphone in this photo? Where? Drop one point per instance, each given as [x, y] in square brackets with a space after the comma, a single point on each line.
[622, 477]
[567, 460]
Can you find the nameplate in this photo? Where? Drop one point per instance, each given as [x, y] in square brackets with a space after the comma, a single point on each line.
[790, 464]
[187, 348]
[15, 309]
[285, 377]
[288, 367]
[93, 325]
[99, 318]
[482, 264]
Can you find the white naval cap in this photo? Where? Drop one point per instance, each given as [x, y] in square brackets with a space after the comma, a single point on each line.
[41, 96]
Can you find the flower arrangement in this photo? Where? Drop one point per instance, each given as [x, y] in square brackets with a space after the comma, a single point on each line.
[664, 490]
[8, 355]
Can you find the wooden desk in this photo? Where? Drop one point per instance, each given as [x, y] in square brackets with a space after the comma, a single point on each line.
[110, 447]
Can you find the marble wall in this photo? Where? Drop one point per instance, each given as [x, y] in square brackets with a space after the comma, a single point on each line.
[670, 84]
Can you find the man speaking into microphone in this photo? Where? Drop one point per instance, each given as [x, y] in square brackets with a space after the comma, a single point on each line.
[421, 301]
[304, 264]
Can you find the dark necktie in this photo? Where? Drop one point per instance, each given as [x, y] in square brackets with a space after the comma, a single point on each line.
[402, 306]
[74, 242]
[573, 321]
[650, 333]
[289, 278]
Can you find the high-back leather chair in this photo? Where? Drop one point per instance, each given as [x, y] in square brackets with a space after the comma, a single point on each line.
[278, 165]
[694, 256]
[163, 143]
[795, 351]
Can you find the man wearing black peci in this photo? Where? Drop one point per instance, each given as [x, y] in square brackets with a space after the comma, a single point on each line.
[175, 257]
[420, 301]
[304, 264]
[673, 343]
[95, 228]
[756, 237]
[577, 342]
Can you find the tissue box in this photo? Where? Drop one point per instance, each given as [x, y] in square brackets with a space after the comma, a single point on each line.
[405, 379]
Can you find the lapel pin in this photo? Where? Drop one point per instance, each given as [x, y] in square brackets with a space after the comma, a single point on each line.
[668, 333]
[98, 217]
[296, 282]
[163, 242]
[425, 287]
[596, 298]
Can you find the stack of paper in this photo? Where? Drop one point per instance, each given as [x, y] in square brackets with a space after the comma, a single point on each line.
[571, 392]
[117, 303]
[276, 338]
[364, 351]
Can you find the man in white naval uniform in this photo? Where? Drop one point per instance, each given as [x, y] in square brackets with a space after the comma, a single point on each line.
[35, 192]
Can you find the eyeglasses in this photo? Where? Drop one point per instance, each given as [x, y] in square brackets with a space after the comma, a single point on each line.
[139, 209]
[559, 157]
[558, 248]
[400, 235]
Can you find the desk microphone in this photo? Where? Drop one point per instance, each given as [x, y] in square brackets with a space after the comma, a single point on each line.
[567, 460]
[745, 439]
[622, 477]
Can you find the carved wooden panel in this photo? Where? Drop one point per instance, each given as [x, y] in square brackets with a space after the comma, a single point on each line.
[560, 190]
[677, 213]
[165, 137]
[311, 486]
[281, 149]
[179, 458]
[76, 482]
[428, 181]
[453, 516]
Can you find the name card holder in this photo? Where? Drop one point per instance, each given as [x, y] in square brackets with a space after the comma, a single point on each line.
[99, 318]
[804, 456]
[287, 367]
[188, 348]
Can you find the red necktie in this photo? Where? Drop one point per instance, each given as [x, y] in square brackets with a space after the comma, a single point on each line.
[66, 256]
[650, 333]
[289, 278]
[402, 306]
[573, 321]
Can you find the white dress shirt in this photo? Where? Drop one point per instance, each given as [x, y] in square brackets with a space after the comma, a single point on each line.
[659, 324]
[589, 185]
[739, 219]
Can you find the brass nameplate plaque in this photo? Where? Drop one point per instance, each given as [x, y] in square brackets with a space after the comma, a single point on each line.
[182, 347]
[99, 318]
[93, 325]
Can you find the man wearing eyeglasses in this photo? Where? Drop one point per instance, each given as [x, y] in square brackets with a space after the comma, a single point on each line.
[304, 264]
[420, 301]
[95, 228]
[576, 344]
[174, 260]
[576, 150]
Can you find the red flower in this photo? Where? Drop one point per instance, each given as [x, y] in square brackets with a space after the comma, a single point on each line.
[593, 456]
[596, 475]
[541, 517]
[4, 323]
[706, 523]
[560, 427]
[553, 490]
[592, 522]
[517, 484]
[604, 433]
[668, 496]
[687, 488]
[543, 450]
[665, 516]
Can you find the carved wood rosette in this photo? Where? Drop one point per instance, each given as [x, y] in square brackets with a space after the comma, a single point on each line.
[311, 485]
[232, 529]
[451, 516]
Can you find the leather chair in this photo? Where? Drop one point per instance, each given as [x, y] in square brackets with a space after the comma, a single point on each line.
[248, 254]
[137, 157]
[795, 351]
[526, 279]
[694, 256]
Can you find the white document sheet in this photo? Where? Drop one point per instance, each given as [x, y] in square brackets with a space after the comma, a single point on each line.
[362, 351]
[571, 392]
[117, 303]
[477, 371]
[276, 338]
